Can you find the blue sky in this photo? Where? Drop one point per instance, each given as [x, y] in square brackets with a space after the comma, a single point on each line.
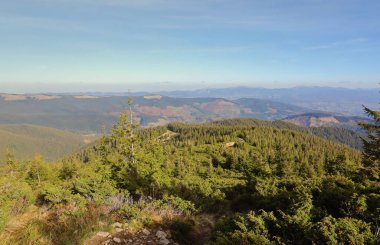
[154, 44]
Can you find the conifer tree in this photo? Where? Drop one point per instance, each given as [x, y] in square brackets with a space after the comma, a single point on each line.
[122, 136]
[371, 153]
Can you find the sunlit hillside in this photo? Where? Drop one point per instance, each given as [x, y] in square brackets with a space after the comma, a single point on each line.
[25, 141]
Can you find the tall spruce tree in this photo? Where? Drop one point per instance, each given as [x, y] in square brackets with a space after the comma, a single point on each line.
[371, 153]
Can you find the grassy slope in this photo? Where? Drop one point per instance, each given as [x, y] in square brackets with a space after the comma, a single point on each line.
[27, 140]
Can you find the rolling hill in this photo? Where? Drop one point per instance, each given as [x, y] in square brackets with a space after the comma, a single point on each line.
[28, 140]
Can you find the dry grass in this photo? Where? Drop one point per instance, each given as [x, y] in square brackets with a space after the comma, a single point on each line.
[18, 223]
[52, 227]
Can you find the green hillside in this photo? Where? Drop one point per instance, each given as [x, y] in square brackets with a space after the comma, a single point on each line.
[337, 134]
[228, 182]
[27, 140]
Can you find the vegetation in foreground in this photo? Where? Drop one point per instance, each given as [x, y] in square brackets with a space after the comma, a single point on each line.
[223, 183]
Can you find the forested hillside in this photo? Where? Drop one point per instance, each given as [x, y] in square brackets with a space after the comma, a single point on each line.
[339, 135]
[25, 141]
[229, 182]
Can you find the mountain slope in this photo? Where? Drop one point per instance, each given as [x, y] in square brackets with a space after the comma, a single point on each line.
[336, 134]
[27, 140]
[326, 120]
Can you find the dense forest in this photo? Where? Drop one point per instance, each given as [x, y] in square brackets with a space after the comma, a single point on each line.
[337, 134]
[227, 182]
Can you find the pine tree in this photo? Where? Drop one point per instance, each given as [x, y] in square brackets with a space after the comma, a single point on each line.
[122, 136]
[371, 153]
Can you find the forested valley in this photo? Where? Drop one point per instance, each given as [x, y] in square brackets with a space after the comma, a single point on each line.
[228, 182]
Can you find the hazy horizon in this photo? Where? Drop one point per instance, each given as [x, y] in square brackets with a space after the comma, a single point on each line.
[24, 88]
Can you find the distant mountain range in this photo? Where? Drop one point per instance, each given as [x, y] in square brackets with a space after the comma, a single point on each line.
[92, 113]
[338, 100]
[308, 106]
[341, 101]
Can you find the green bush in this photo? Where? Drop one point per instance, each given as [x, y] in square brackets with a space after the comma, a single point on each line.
[186, 207]
[130, 211]
[246, 229]
[344, 231]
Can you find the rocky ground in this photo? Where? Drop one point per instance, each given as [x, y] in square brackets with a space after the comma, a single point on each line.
[156, 236]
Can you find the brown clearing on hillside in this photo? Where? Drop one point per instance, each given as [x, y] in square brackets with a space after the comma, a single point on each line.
[272, 110]
[328, 120]
[220, 106]
[169, 111]
[86, 97]
[13, 97]
[45, 97]
[317, 122]
[153, 97]
[248, 111]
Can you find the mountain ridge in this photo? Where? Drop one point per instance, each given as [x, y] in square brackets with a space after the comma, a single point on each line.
[92, 114]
